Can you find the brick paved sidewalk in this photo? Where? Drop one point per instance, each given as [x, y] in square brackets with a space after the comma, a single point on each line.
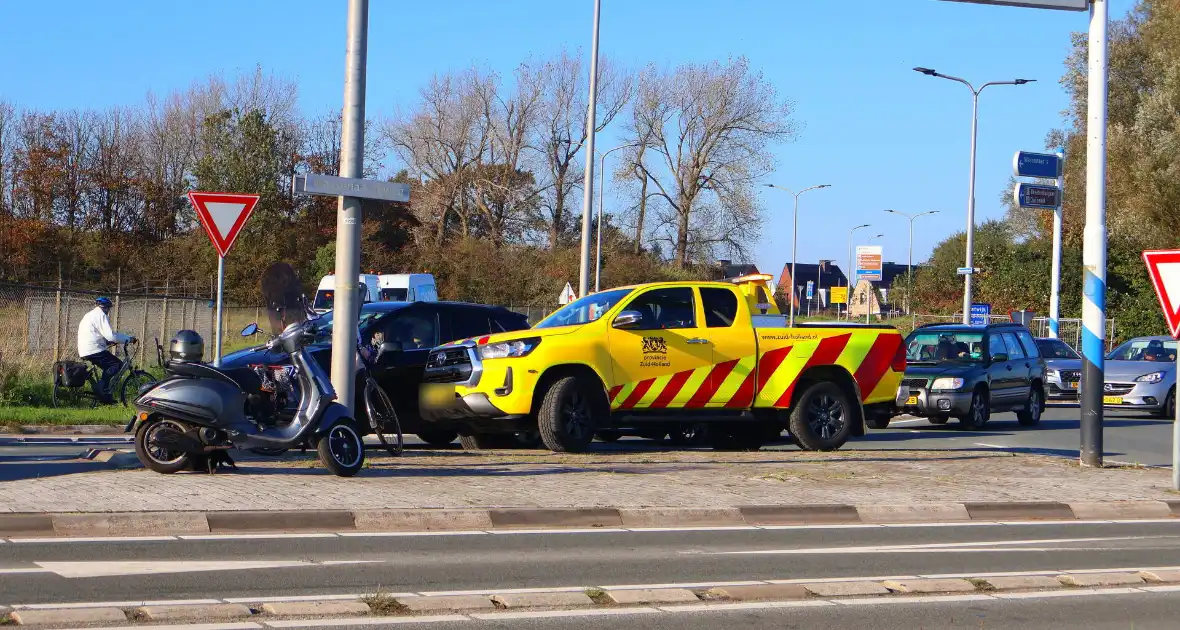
[650, 479]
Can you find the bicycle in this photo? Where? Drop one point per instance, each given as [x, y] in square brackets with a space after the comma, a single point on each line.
[382, 416]
[70, 380]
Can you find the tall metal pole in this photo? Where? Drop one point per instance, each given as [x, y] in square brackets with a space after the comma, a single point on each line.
[909, 267]
[848, 272]
[795, 240]
[348, 217]
[601, 178]
[1055, 288]
[588, 183]
[1094, 251]
[220, 311]
[970, 264]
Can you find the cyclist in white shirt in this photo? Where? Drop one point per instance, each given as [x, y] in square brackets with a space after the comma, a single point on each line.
[94, 335]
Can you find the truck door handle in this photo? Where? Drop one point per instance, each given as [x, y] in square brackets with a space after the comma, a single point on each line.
[698, 340]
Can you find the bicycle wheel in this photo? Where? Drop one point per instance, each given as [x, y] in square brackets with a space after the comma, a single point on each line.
[383, 418]
[73, 397]
[131, 385]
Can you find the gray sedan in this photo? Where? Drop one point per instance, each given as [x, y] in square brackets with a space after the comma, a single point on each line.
[1141, 376]
[1064, 371]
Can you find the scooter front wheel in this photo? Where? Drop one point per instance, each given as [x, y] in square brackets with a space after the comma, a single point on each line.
[341, 449]
[157, 457]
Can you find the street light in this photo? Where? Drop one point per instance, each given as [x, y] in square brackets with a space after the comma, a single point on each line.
[602, 178]
[873, 237]
[588, 177]
[909, 264]
[971, 185]
[848, 276]
[795, 240]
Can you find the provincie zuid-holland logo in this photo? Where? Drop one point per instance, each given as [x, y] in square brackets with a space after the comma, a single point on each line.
[655, 352]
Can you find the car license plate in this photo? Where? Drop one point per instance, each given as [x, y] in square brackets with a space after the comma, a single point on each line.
[436, 395]
[1112, 400]
[912, 400]
[1073, 385]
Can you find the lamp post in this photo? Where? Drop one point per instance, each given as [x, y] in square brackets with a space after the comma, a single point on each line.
[909, 261]
[795, 241]
[601, 178]
[971, 182]
[848, 274]
[588, 181]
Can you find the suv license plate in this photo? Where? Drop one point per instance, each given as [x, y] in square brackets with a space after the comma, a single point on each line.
[1073, 385]
[912, 400]
[1112, 400]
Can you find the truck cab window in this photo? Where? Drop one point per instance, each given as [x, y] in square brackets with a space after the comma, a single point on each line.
[665, 309]
[721, 307]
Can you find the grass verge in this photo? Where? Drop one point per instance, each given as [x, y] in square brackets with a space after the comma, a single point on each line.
[16, 415]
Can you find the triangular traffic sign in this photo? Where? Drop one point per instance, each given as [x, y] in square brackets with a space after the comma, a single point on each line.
[1163, 265]
[222, 215]
[567, 295]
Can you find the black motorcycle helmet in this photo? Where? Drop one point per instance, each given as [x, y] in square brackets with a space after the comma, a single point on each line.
[187, 347]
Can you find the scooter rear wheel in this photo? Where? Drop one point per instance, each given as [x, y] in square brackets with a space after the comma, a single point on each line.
[341, 449]
[158, 458]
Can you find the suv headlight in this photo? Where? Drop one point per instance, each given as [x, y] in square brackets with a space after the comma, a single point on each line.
[1154, 377]
[947, 383]
[1053, 374]
[508, 349]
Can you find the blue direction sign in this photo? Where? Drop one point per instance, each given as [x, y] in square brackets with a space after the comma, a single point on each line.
[1037, 196]
[810, 289]
[980, 313]
[1043, 165]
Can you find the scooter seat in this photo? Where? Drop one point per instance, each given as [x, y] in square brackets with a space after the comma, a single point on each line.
[204, 370]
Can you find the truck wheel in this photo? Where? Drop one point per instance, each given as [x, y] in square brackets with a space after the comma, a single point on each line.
[488, 441]
[1031, 416]
[436, 437]
[822, 419]
[567, 415]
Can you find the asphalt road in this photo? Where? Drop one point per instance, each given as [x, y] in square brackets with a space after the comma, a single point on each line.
[91, 571]
[103, 571]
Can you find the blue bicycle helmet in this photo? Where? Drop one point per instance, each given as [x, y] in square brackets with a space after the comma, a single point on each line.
[104, 302]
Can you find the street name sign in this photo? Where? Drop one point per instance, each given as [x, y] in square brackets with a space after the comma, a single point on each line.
[868, 262]
[1043, 165]
[1064, 5]
[967, 271]
[980, 313]
[312, 184]
[1163, 265]
[222, 215]
[1037, 196]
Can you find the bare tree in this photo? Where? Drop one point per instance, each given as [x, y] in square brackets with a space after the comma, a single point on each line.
[8, 119]
[561, 132]
[711, 125]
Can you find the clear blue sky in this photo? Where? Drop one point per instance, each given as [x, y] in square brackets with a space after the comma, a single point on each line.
[882, 135]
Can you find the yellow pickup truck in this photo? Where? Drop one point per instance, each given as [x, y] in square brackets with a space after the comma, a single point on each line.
[669, 352]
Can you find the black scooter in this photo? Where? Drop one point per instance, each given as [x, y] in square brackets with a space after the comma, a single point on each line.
[198, 413]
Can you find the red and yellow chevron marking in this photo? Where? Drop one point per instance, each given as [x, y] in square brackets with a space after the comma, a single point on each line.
[769, 381]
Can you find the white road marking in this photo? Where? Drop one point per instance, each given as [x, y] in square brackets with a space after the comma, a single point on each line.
[88, 539]
[914, 599]
[879, 578]
[505, 591]
[401, 534]
[245, 625]
[746, 606]
[20, 570]
[990, 445]
[1171, 588]
[715, 528]
[117, 568]
[553, 614]
[989, 546]
[124, 604]
[587, 530]
[826, 526]
[632, 587]
[1069, 593]
[354, 621]
[252, 536]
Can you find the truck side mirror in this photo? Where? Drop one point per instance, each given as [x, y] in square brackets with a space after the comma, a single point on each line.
[627, 319]
[999, 357]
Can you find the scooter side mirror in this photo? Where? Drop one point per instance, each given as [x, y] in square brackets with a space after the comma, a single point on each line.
[250, 331]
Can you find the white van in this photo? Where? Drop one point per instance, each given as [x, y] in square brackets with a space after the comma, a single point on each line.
[407, 287]
[325, 295]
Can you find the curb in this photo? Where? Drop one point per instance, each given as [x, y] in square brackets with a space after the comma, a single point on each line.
[106, 430]
[469, 519]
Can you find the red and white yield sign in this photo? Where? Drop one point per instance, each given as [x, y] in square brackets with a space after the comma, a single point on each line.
[1163, 265]
[222, 215]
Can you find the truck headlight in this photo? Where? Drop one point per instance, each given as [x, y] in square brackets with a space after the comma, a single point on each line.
[508, 349]
[1154, 377]
[947, 383]
[1052, 374]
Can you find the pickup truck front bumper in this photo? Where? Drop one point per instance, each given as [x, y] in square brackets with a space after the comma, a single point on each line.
[442, 405]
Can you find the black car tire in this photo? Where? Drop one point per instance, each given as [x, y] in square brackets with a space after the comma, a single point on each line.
[979, 413]
[1030, 416]
[1169, 410]
[938, 419]
[822, 419]
[569, 411]
[877, 420]
[437, 437]
[487, 441]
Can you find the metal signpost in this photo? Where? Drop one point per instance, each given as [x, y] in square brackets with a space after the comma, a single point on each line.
[1046, 166]
[222, 215]
[980, 314]
[810, 294]
[1164, 268]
